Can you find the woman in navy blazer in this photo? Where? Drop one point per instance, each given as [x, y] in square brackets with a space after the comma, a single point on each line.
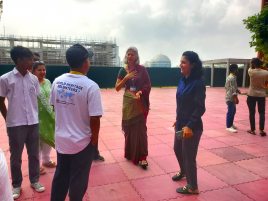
[191, 95]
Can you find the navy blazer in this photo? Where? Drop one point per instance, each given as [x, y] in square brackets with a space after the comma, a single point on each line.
[190, 96]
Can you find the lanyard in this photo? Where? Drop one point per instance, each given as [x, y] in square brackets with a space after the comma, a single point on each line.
[75, 72]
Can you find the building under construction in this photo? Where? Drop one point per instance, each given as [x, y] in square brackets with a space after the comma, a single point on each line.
[52, 50]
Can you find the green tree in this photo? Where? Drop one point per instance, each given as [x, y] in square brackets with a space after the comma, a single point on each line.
[258, 26]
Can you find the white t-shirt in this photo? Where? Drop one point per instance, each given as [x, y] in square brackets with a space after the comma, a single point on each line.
[5, 186]
[21, 92]
[75, 99]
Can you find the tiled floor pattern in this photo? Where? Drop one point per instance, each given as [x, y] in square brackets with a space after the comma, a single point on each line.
[231, 167]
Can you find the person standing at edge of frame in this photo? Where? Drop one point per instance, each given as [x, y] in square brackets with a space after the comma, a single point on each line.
[21, 89]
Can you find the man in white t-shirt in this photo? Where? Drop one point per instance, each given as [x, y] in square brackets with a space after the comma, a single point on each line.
[21, 89]
[78, 109]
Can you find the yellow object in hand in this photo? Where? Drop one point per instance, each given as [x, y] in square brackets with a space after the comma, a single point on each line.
[187, 132]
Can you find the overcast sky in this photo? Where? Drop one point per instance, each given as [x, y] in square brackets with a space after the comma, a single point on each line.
[212, 28]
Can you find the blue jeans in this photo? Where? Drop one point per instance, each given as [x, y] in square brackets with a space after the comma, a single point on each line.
[231, 110]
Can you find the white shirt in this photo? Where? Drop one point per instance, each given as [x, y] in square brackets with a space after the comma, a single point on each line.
[21, 92]
[75, 99]
[5, 186]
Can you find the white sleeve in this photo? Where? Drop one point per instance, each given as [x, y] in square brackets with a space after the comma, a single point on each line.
[94, 102]
[3, 87]
[5, 186]
[52, 95]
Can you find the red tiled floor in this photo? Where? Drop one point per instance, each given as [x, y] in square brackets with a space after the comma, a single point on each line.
[117, 179]
[123, 191]
[134, 172]
[212, 143]
[160, 150]
[156, 188]
[225, 194]
[255, 190]
[232, 154]
[231, 173]
[206, 158]
[254, 149]
[256, 165]
[167, 163]
[208, 182]
[106, 174]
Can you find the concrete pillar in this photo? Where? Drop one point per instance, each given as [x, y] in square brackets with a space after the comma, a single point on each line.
[212, 75]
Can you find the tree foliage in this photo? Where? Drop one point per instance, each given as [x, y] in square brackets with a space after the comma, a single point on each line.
[258, 26]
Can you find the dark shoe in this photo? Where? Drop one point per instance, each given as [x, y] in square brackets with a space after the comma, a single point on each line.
[262, 133]
[187, 190]
[143, 164]
[251, 132]
[99, 158]
[178, 176]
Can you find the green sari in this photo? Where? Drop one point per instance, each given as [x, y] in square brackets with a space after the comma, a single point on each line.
[46, 115]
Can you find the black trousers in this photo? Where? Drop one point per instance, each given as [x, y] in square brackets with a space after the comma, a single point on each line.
[251, 102]
[72, 174]
[186, 152]
[18, 136]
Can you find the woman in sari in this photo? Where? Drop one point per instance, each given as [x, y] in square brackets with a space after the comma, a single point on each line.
[46, 117]
[135, 79]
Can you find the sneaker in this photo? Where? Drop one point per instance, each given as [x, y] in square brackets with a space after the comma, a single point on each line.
[231, 129]
[234, 127]
[16, 192]
[99, 158]
[38, 187]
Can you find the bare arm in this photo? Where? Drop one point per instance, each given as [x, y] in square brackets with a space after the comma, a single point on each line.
[3, 107]
[95, 129]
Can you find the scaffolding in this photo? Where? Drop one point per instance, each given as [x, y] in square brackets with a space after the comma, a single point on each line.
[52, 50]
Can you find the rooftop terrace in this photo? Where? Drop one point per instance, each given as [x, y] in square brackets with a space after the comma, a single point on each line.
[231, 167]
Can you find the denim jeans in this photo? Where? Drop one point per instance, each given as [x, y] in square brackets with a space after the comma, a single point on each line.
[231, 110]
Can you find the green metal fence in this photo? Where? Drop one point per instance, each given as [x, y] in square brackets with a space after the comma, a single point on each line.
[160, 77]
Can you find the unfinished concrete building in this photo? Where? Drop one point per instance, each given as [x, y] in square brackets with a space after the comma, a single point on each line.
[52, 50]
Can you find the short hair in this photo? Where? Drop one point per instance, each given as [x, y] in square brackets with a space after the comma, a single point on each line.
[197, 68]
[77, 54]
[36, 64]
[19, 52]
[256, 63]
[134, 49]
[36, 54]
[233, 68]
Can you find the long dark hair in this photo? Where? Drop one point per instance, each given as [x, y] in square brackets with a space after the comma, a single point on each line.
[197, 68]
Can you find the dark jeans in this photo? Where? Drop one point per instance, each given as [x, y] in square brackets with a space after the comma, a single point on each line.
[251, 101]
[72, 174]
[231, 110]
[18, 136]
[186, 151]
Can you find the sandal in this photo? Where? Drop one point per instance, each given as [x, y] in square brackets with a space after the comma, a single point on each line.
[178, 176]
[50, 164]
[144, 164]
[262, 133]
[251, 132]
[42, 170]
[187, 190]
